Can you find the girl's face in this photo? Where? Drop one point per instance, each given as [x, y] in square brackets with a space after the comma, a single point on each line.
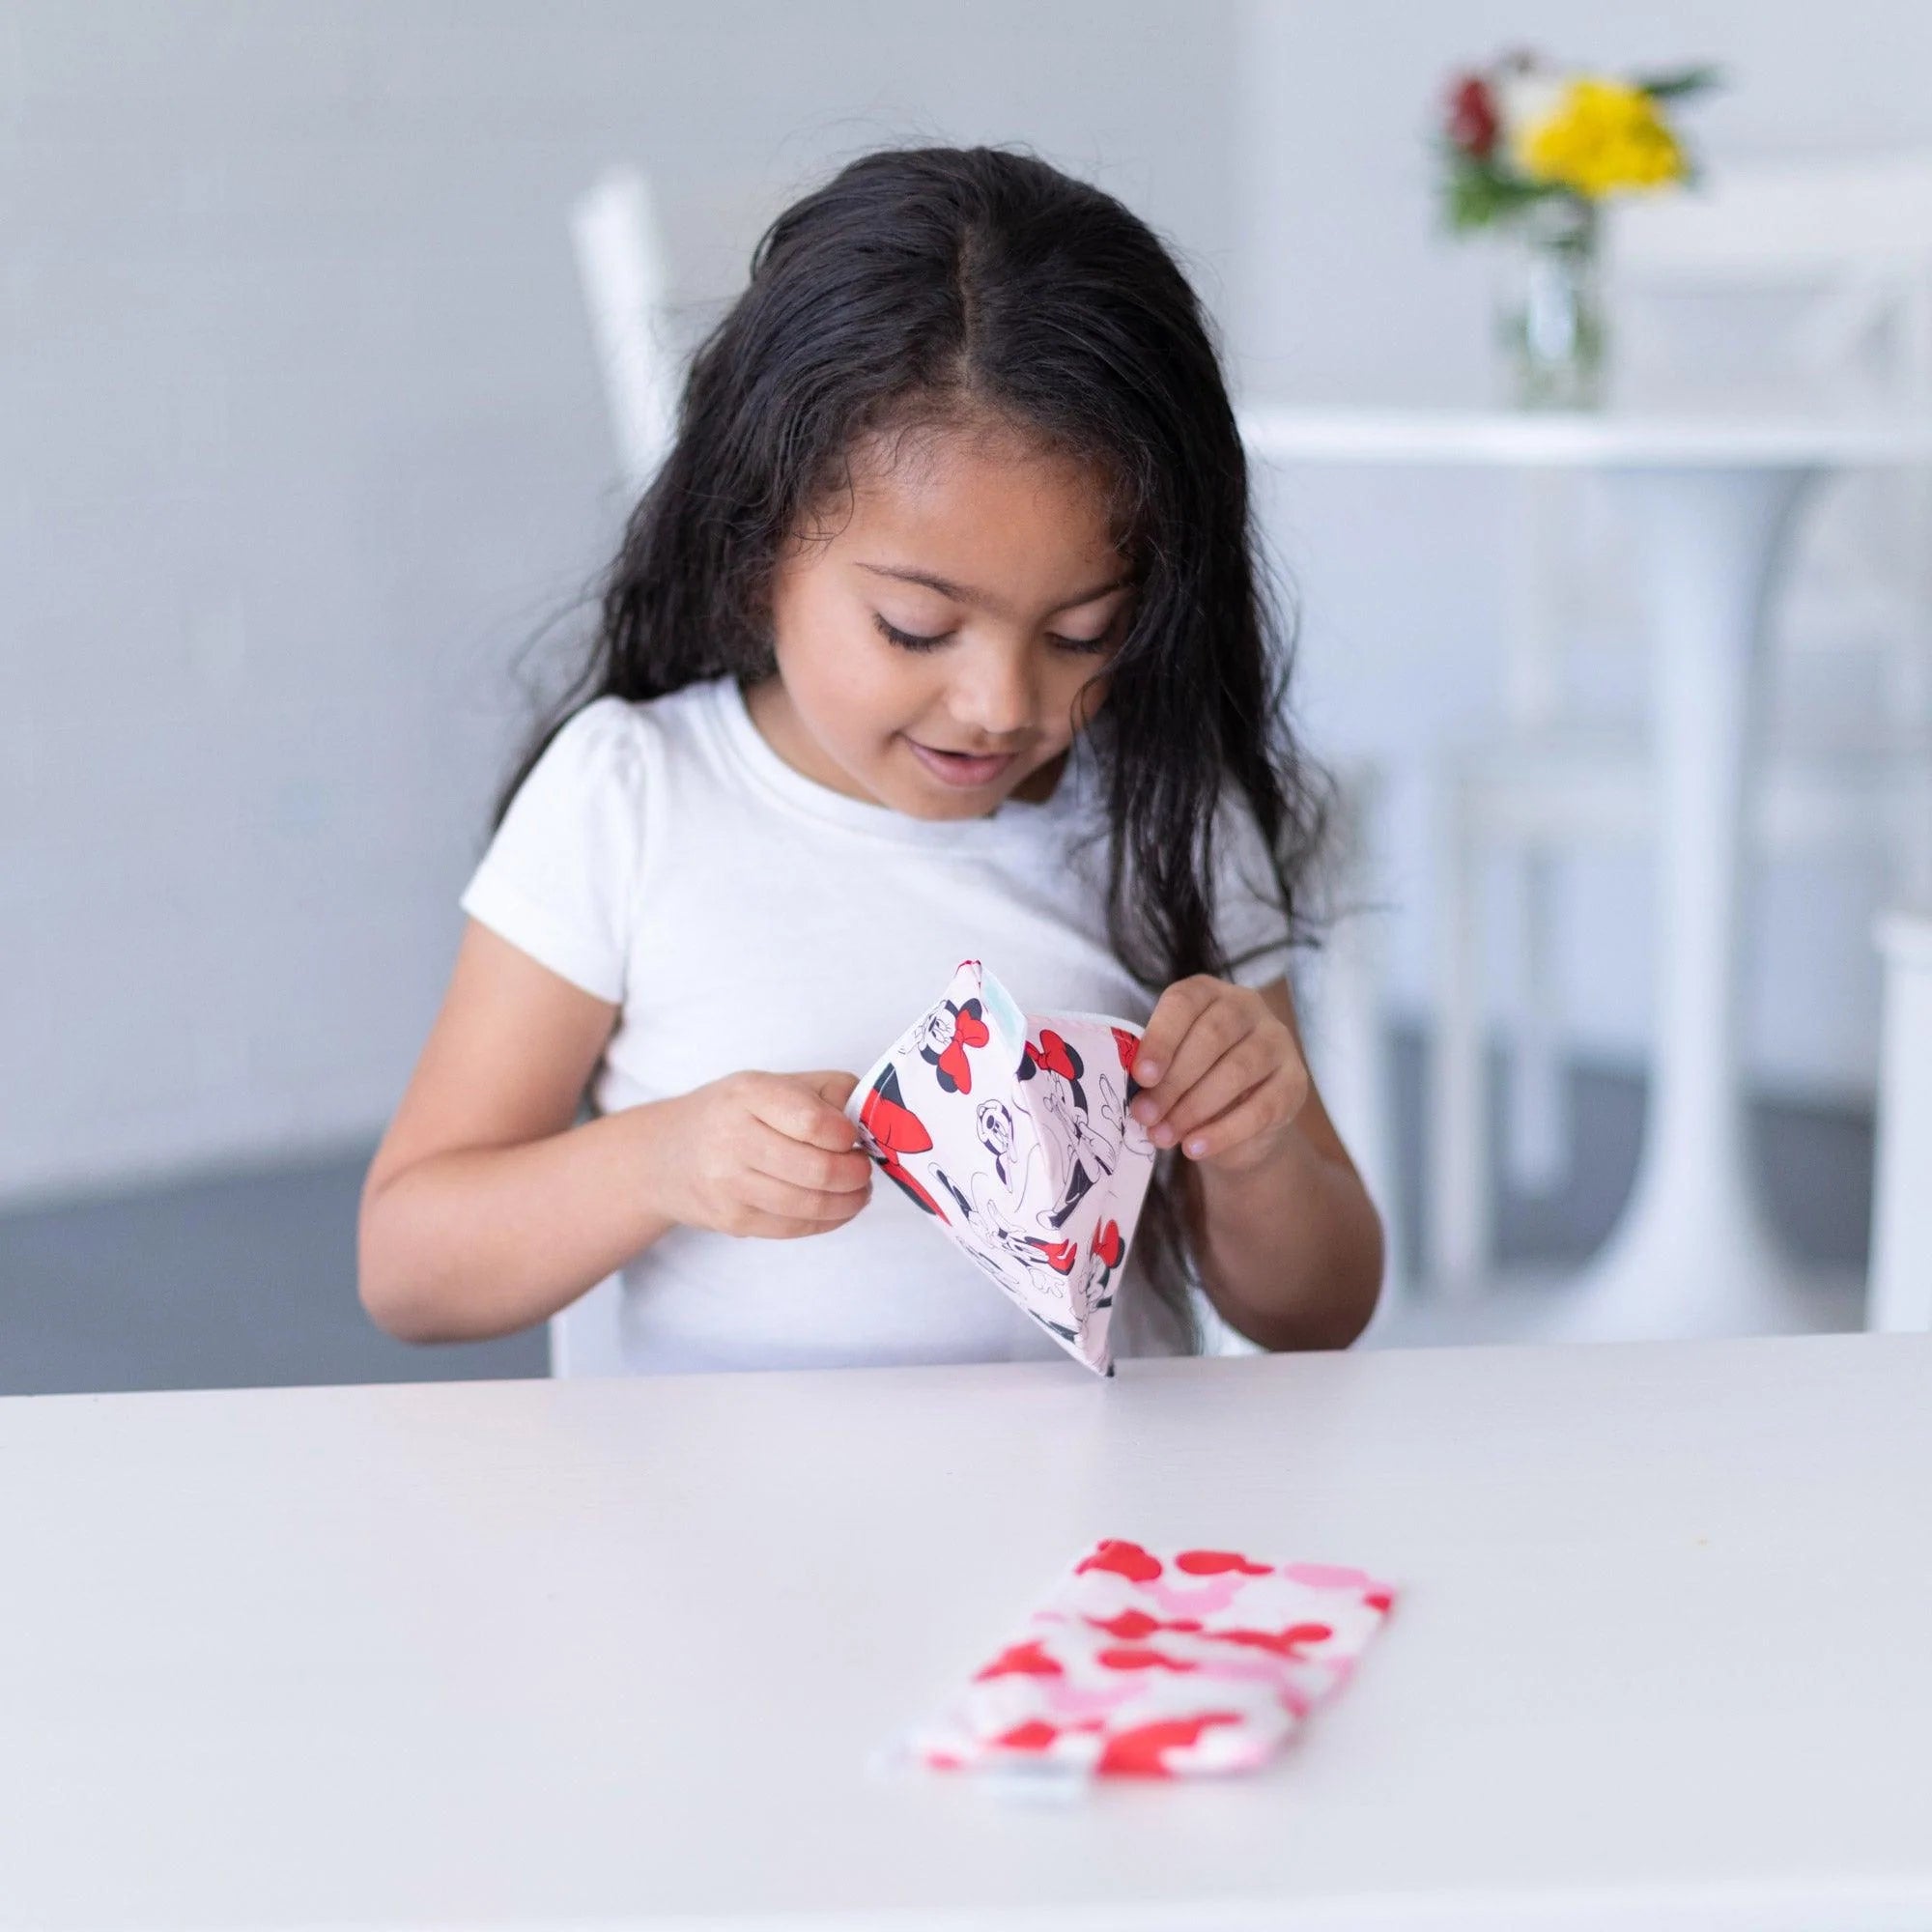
[995, 559]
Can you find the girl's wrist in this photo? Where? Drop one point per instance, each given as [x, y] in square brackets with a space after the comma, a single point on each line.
[652, 1130]
[1258, 1168]
[1293, 1244]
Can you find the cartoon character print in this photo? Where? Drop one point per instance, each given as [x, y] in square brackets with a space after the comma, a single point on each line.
[1026, 1172]
[991, 1210]
[1094, 1289]
[895, 1130]
[945, 1035]
[1004, 1236]
[1058, 1075]
[1127, 1046]
[1000, 1135]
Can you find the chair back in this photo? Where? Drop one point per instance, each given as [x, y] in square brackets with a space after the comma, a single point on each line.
[585, 1338]
[620, 262]
[1804, 283]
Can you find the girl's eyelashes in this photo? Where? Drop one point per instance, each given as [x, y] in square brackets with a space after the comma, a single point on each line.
[1089, 647]
[908, 640]
[912, 641]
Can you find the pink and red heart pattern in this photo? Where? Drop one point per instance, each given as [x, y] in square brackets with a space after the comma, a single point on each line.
[1161, 1667]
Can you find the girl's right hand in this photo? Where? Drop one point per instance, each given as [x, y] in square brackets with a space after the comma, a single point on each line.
[770, 1154]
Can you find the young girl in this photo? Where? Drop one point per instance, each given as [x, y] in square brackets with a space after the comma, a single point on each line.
[937, 635]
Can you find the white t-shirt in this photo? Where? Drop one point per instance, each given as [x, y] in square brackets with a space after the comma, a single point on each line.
[664, 857]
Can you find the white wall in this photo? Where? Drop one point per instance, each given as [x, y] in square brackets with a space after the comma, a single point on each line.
[303, 438]
[300, 442]
[1349, 291]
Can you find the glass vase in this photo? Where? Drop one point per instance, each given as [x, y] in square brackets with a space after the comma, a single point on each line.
[1551, 315]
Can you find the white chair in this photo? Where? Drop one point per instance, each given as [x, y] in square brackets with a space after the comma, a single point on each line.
[1346, 1026]
[585, 1338]
[620, 264]
[1840, 256]
[1901, 1249]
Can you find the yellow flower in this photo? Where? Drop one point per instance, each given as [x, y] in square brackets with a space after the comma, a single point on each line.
[1599, 137]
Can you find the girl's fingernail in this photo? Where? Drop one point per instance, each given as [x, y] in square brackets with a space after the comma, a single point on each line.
[1163, 1135]
[1146, 1071]
[1197, 1147]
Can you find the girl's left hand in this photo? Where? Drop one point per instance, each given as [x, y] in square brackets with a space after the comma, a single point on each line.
[1221, 1074]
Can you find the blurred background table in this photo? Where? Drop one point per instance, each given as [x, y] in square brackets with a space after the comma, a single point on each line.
[1710, 500]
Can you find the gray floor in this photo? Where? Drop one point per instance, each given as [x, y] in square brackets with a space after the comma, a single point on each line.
[242, 1282]
[250, 1280]
[1814, 1170]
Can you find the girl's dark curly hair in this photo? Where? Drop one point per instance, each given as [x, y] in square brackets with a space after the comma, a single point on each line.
[929, 285]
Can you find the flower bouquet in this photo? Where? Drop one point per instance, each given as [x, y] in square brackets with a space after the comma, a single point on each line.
[1536, 149]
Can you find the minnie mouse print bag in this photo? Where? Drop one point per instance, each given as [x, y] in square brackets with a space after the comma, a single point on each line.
[1011, 1131]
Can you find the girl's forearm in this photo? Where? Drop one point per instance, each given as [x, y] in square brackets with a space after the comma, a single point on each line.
[1290, 1250]
[484, 1241]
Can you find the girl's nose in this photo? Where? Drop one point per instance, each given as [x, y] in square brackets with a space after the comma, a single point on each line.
[993, 691]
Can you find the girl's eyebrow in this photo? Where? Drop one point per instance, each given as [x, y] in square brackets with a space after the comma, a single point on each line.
[960, 594]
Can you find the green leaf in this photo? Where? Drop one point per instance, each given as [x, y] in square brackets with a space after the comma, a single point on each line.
[1477, 193]
[1681, 83]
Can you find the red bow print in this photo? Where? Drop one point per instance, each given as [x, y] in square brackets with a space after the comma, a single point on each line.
[1053, 1054]
[968, 1030]
[1059, 1256]
[895, 1130]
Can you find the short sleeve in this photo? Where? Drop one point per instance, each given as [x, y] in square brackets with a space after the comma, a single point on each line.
[558, 879]
[1249, 919]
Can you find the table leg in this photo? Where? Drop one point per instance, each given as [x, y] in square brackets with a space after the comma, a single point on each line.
[1693, 1254]
[1901, 1260]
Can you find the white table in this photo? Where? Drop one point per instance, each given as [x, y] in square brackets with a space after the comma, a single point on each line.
[1710, 501]
[465, 1655]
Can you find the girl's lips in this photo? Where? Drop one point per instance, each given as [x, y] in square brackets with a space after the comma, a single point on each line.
[958, 768]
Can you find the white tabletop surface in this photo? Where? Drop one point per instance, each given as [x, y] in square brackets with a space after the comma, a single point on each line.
[617, 1652]
[1610, 439]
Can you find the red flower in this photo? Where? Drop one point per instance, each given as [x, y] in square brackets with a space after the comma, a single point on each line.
[1474, 121]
